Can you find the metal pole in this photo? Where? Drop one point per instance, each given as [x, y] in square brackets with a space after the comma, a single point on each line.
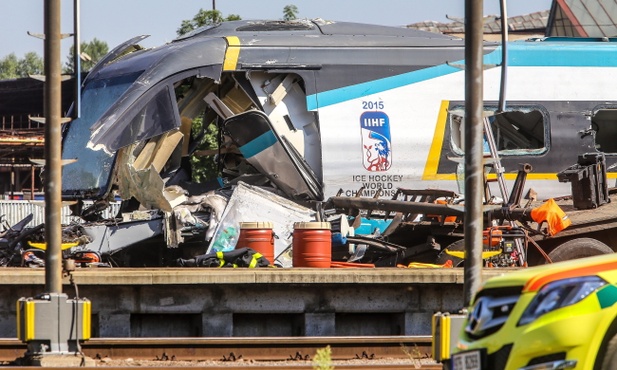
[32, 174]
[504, 55]
[53, 111]
[12, 182]
[77, 58]
[473, 148]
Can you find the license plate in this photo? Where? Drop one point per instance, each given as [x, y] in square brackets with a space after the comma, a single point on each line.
[471, 360]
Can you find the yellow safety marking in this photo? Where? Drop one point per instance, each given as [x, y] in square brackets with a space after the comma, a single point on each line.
[445, 337]
[530, 176]
[18, 320]
[27, 320]
[457, 254]
[434, 155]
[43, 246]
[30, 317]
[432, 162]
[219, 255]
[87, 320]
[485, 255]
[433, 335]
[232, 53]
[253, 263]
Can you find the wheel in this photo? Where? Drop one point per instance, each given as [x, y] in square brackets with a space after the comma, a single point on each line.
[457, 246]
[579, 248]
[609, 355]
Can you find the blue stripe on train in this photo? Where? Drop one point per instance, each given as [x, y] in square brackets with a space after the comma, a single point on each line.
[559, 53]
[259, 144]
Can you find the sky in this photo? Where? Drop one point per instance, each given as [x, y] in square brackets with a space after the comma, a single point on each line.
[115, 21]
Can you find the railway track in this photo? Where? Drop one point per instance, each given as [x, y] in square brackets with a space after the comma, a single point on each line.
[396, 352]
[262, 366]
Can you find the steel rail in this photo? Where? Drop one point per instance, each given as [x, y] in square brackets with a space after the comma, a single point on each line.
[308, 366]
[232, 349]
[338, 366]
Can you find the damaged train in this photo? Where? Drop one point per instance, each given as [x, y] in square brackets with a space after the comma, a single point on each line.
[302, 111]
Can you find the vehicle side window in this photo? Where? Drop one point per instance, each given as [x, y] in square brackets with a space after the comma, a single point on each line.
[604, 128]
[517, 131]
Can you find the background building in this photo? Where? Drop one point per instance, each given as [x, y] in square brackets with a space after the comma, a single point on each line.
[571, 18]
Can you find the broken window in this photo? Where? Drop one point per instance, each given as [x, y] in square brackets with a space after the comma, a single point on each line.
[202, 104]
[195, 150]
[604, 127]
[214, 152]
[157, 116]
[174, 134]
[89, 175]
[521, 130]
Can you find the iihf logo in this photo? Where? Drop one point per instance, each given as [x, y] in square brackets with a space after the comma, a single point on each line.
[376, 141]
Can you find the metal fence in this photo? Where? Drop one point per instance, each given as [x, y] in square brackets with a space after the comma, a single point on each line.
[16, 210]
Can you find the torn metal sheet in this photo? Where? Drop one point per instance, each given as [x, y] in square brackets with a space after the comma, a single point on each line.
[110, 238]
[252, 204]
[272, 155]
[284, 101]
[211, 202]
[139, 176]
[146, 186]
[121, 123]
[124, 48]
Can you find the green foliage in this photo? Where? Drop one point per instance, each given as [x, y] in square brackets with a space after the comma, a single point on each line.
[204, 167]
[323, 359]
[13, 67]
[233, 17]
[8, 66]
[204, 18]
[31, 64]
[290, 12]
[91, 53]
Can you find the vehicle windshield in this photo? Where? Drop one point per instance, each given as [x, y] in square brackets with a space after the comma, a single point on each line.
[89, 176]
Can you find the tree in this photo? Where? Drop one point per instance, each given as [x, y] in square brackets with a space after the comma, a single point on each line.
[91, 53]
[8, 66]
[233, 17]
[204, 18]
[290, 12]
[13, 67]
[31, 64]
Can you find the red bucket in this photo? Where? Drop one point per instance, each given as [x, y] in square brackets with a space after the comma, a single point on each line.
[312, 244]
[259, 237]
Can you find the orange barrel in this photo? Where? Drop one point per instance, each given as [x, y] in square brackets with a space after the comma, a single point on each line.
[259, 237]
[312, 244]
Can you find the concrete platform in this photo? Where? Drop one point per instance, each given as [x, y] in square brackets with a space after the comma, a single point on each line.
[194, 302]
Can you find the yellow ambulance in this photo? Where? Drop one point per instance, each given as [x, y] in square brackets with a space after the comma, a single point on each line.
[558, 316]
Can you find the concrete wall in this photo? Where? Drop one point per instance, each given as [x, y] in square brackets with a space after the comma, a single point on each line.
[209, 303]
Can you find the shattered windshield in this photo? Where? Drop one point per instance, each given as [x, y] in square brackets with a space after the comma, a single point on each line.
[89, 176]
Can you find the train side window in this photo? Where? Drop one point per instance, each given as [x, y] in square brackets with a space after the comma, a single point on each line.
[518, 131]
[604, 126]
